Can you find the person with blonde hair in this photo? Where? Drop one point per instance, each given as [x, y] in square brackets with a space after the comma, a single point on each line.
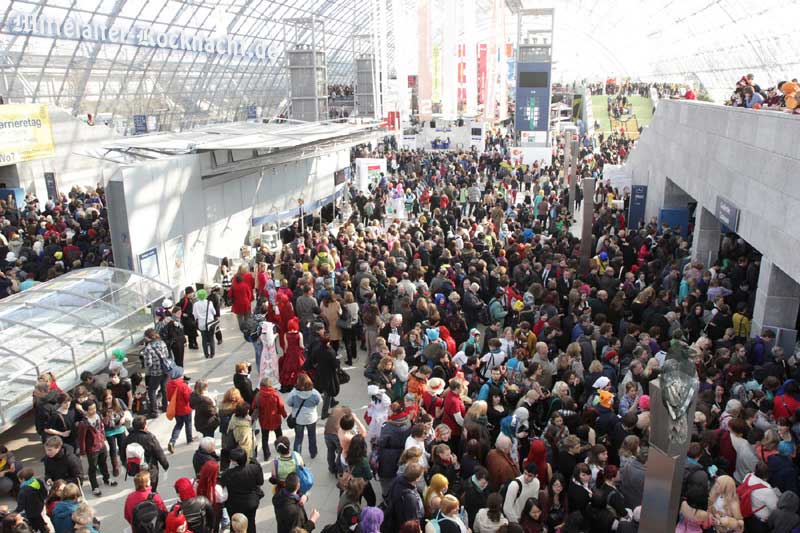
[723, 506]
[238, 523]
[447, 519]
[433, 495]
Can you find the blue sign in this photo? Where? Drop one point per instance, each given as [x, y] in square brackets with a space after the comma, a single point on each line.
[252, 112]
[637, 205]
[532, 111]
[139, 124]
[727, 213]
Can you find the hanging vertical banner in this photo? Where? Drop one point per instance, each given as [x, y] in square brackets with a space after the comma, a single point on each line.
[482, 50]
[436, 69]
[462, 77]
[424, 58]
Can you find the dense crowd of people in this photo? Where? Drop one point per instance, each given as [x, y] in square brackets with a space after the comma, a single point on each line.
[508, 385]
[39, 241]
[340, 89]
[782, 96]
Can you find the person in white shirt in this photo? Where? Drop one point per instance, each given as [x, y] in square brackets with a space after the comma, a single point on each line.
[763, 500]
[520, 490]
[204, 314]
[419, 433]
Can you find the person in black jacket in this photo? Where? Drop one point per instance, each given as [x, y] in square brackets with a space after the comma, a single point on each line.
[326, 378]
[241, 380]
[31, 497]
[475, 493]
[290, 509]
[391, 444]
[403, 501]
[206, 451]
[61, 462]
[243, 481]
[197, 509]
[153, 453]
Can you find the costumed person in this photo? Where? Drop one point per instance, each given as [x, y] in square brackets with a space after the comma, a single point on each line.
[286, 313]
[377, 412]
[293, 359]
[270, 366]
[118, 363]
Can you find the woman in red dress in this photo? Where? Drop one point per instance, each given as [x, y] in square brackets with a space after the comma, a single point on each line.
[286, 313]
[291, 363]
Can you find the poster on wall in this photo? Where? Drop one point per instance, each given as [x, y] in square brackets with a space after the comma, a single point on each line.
[148, 263]
[174, 249]
[25, 133]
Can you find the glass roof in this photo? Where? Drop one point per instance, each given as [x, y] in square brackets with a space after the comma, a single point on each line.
[114, 76]
[713, 42]
[68, 325]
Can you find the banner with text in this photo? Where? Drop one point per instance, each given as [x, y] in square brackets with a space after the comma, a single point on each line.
[25, 133]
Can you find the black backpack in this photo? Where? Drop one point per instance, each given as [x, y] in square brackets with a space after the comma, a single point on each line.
[147, 517]
[504, 489]
[250, 329]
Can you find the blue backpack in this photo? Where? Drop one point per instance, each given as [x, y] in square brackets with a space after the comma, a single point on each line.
[305, 476]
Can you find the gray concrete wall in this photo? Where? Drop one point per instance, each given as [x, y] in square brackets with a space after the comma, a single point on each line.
[751, 158]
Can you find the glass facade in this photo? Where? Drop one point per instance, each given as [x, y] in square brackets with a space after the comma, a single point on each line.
[178, 63]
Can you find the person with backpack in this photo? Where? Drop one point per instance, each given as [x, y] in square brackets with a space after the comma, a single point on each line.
[403, 503]
[152, 453]
[243, 481]
[31, 497]
[205, 316]
[518, 491]
[757, 500]
[157, 363]
[144, 509]
[93, 444]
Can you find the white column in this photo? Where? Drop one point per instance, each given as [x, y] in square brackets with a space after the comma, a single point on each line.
[471, 57]
[777, 299]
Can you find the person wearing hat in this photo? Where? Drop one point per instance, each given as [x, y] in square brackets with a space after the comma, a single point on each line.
[179, 392]
[176, 521]
[611, 366]
[205, 317]
[187, 318]
[197, 509]
[432, 397]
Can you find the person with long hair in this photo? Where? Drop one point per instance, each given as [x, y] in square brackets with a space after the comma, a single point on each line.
[303, 402]
[579, 492]
[534, 516]
[350, 335]
[114, 415]
[723, 506]
[206, 415]
[358, 466]
[558, 504]
[293, 359]
[537, 454]
[207, 484]
[433, 495]
[490, 518]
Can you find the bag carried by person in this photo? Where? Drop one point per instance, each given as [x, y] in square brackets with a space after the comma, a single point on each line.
[250, 328]
[745, 492]
[147, 517]
[304, 475]
[344, 320]
[134, 459]
[291, 420]
[172, 406]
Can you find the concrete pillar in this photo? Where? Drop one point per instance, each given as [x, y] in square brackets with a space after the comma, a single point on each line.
[777, 299]
[706, 239]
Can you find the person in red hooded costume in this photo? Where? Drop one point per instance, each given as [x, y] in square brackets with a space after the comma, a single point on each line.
[286, 314]
[241, 293]
[291, 363]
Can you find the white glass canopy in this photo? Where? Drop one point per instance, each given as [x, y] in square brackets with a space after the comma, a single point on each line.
[68, 325]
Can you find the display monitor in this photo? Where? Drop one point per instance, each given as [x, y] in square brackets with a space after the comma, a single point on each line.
[533, 79]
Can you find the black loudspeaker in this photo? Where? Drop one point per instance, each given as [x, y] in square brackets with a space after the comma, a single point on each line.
[460, 122]
[433, 124]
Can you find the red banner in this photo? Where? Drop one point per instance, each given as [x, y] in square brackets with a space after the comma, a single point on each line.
[482, 51]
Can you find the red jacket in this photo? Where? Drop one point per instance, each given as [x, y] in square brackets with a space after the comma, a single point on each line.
[138, 496]
[452, 405]
[784, 406]
[241, 293]
[184, 391]
[271, 410]
[91, 439]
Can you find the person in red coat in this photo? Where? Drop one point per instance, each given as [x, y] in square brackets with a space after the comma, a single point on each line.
[293, 357]
[271, 412]
[142, 485]
[286, 314]
[454, 409]
[181, 391]
[241, 293]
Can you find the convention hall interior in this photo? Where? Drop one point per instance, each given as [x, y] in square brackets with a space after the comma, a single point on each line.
[399, 266]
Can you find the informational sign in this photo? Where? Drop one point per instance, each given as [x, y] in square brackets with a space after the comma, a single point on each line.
[139, 124]
[533, 97]
[175, 261]
[409, 141]
[50, 184]
[148, 263]
[727, 213]
[616, 176]
[637, 205]
[436, 69]
[368, 172]
[339, 177]
[482, 64]
[252, 112]
[25, 133]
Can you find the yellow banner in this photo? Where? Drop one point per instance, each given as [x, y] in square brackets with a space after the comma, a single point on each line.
[25, 133]
[436, 97]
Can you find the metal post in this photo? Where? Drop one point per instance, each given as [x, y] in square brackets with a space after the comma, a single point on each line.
[567, 175]
[588, 216]
[574, 157]
[300, 202]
